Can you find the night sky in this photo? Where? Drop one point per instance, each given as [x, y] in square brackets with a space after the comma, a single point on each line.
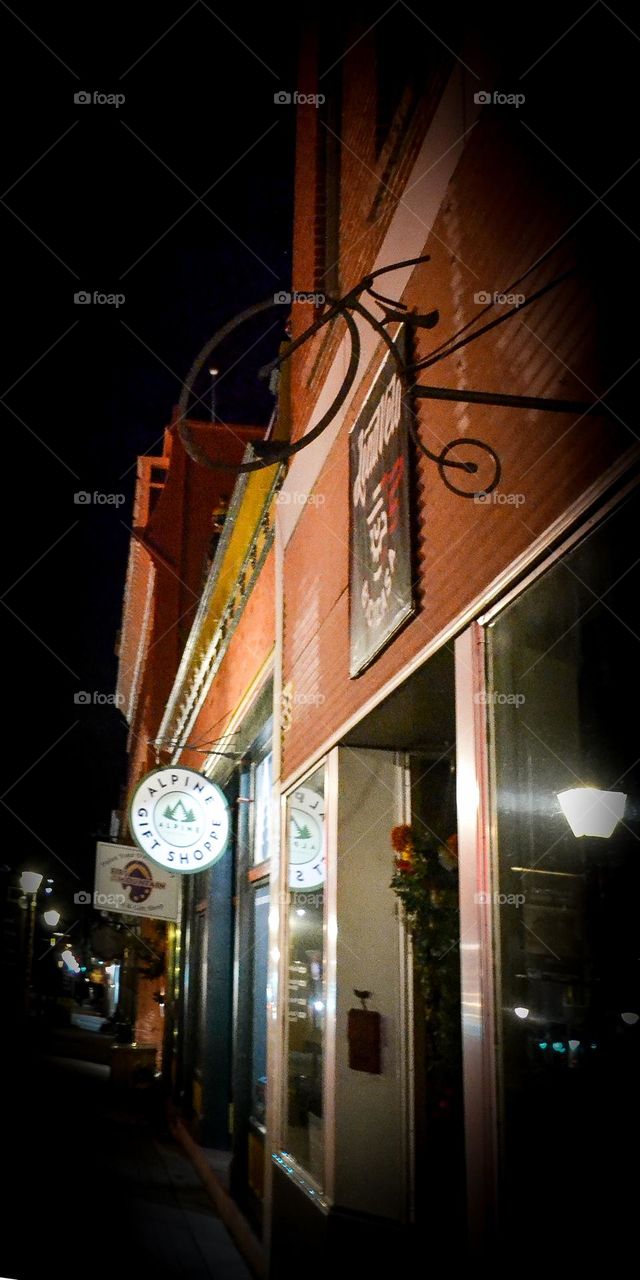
[106, 197]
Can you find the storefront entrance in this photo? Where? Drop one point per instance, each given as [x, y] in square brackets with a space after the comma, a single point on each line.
[515, 747]
[417, 724]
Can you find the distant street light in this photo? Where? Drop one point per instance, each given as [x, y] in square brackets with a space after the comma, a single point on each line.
[30, 881]
[52, 918]
[214, 373]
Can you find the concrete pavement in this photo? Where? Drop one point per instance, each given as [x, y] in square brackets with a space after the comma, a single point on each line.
[97, 1185]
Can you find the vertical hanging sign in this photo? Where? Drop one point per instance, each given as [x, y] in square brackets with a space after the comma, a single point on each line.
[380, 586]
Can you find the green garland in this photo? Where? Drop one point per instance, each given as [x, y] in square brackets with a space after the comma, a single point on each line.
[426, 882]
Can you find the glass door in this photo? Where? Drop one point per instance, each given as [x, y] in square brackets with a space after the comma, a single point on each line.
[306, 996]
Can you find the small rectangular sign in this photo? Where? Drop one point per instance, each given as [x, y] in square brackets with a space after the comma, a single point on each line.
[380, 580]
[126, 881]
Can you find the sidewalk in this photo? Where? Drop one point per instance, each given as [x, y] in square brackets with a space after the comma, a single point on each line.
[97, 1183]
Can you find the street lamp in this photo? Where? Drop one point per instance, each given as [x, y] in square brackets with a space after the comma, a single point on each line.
[52, 918]
[30, 882]
[214, 373]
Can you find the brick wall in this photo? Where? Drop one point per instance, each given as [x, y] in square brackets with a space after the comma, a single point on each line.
[483, 239]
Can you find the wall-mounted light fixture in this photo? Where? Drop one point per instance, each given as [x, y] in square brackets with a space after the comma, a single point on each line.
[592, 812]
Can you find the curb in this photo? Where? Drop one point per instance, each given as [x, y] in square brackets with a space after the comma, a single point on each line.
[235, 1222]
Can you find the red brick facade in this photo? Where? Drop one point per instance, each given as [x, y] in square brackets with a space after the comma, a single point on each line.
[482, 240]
[179, 511]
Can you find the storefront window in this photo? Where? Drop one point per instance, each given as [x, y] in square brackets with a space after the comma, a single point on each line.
[563, 662]
[306, 983]
[259, 1023]
[262, 830]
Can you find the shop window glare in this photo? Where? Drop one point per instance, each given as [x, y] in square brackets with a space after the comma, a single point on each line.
[263, 780]
[591, 812]
[306, 993]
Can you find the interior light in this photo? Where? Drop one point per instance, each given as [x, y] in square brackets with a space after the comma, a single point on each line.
[591, 812]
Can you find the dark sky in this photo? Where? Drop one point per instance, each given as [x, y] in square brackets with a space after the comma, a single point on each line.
[111, 198]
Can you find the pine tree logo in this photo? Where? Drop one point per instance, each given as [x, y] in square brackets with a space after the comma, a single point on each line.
[179, 813]
[300, 832]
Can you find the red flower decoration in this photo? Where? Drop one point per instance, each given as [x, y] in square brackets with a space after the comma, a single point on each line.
[405, 865]
[401, 838]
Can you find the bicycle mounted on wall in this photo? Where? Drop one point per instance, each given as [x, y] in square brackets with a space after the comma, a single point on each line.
[268, 452]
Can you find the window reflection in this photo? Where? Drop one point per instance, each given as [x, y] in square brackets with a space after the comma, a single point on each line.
[306, 985]
[262, 807]
[259, 1027]
[562, 662]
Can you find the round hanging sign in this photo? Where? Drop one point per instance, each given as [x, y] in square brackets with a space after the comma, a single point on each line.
[180, 819]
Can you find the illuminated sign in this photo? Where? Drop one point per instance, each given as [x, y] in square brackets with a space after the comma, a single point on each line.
[129, 882]
[180, 819]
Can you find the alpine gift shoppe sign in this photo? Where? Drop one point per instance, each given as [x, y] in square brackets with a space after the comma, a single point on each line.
[380, 589]
[180, 819]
